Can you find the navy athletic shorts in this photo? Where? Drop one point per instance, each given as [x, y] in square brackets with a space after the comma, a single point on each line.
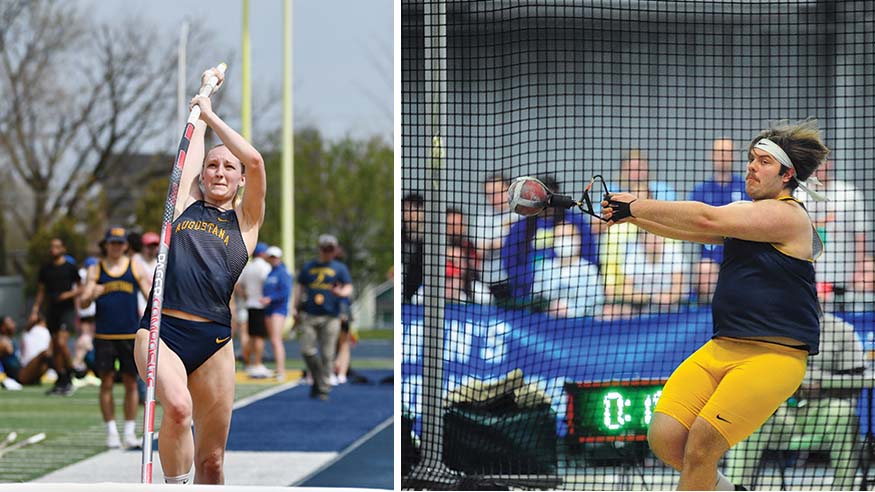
[193, 341]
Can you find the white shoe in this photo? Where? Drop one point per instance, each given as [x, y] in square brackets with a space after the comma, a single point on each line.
[112, 441]
[333, 380]
[341, 379]
[11, 384]
[131, 442]
[91, 380]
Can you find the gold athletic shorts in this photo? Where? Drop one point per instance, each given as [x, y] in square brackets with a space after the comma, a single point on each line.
[734, 384]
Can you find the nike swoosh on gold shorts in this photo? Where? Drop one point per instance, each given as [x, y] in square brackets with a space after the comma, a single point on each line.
[221, 340]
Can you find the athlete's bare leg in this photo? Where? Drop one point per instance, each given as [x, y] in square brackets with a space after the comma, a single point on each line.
[275, 324]
[212, 393]
[84, 344]
[131, 396]
[175, 442]
[668, 438]
[107, 404]
[705, 446]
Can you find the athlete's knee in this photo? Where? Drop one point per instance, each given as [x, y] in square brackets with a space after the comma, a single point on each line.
[177, 411]
[667, 438]
[106, 381]
[705, 446]
[209, 465]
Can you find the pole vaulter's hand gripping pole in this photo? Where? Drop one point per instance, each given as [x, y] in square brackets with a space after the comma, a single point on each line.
[158, 283]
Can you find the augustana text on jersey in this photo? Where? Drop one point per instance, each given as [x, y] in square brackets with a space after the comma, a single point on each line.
[202, 225]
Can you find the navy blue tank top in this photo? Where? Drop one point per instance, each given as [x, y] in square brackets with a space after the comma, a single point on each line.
[116, 309]
[207, 254]
[764, 292]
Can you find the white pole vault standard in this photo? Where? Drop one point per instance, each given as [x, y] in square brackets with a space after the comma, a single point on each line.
[158, 281]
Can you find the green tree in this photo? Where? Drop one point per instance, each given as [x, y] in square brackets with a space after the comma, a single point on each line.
[342, 188]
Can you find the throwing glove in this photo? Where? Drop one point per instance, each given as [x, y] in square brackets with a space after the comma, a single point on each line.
[621, 210]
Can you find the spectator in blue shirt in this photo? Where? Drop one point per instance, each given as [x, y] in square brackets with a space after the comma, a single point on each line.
[277, 290]
[723, 188]
[316, 306]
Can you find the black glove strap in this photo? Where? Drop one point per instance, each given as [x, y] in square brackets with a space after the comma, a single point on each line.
[621, 210]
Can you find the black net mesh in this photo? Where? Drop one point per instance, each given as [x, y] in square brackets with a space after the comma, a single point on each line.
[535, 349]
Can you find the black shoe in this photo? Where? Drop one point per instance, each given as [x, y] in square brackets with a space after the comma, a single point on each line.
[65, 390]
[740, 487]
[80, 373]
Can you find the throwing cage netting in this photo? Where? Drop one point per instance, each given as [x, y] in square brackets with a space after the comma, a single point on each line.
[535, 349]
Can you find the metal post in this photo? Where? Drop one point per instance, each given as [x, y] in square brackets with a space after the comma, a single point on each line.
[431, 468]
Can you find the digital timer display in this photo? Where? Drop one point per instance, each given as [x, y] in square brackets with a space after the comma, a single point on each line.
[612, 410]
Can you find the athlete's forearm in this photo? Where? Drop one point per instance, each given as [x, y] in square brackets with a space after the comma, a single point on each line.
[690, 217]
[235, 142]
[671, 233]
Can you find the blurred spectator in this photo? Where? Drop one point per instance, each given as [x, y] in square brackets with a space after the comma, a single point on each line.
[112, 286]
[25, 363]
[412, 224]
[10, 364]
[635, 177]
[277, 291]
[530, 242]
[457, 233]
[570, 283]
[58, 285]
[85, 340]
[346, 339]
[460, 284]
[316, 307]
[252, 282]
[822, 415]
[491, 229]
[147, 257]
[642, 270]
[723, 188]
[842, 223]
[862, 295]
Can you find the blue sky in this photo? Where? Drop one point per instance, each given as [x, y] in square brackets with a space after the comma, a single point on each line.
[342, 56]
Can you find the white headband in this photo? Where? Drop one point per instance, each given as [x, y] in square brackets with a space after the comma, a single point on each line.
[778, 153]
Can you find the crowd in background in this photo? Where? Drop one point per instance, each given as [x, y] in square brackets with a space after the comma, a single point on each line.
[569, 264]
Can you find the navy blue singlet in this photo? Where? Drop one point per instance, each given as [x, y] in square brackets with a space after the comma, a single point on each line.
[764, 292]
[116, 309]
[207, 254]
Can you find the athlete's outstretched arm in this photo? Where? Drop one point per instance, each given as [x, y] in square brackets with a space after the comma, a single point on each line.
[189, 189]
[771, 221]
[664, 231]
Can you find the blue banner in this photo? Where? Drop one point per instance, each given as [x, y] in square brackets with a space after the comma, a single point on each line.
[486, 342]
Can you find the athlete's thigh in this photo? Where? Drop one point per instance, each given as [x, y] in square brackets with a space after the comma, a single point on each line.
[171, 376]
[689, 388]
[212, 392]
[752, 391]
